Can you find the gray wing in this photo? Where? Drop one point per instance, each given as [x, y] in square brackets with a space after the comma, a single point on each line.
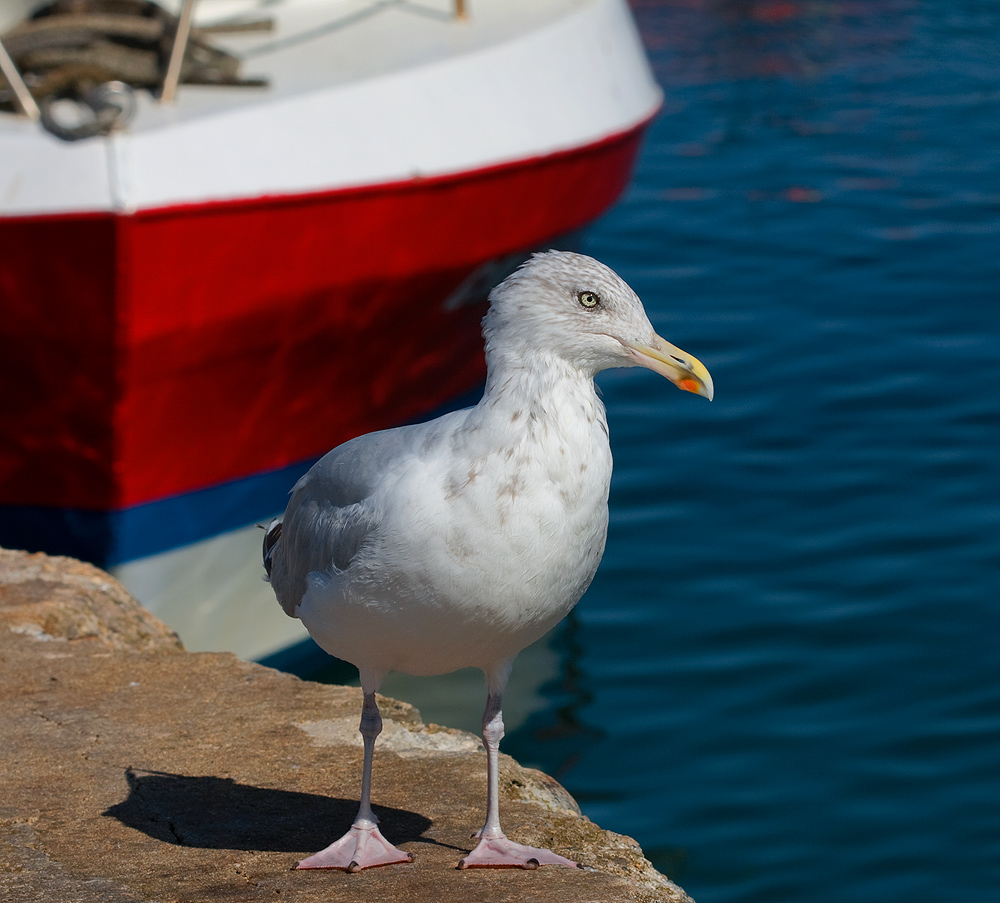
[330, 515]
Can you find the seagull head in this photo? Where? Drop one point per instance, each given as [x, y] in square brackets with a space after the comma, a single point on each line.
[569, 306]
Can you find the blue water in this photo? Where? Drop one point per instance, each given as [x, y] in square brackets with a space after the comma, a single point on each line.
[785, 679]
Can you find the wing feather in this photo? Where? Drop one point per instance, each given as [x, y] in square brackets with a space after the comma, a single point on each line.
[331, 512]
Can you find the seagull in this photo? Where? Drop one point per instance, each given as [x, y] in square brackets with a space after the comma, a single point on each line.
[460, 541]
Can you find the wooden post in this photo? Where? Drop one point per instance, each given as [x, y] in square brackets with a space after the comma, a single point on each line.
[173, 75]
[21, 93]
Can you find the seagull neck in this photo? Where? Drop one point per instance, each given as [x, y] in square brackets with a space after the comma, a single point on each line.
[537, 386]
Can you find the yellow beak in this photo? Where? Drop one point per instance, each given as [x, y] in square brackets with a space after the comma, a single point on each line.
[684, 370]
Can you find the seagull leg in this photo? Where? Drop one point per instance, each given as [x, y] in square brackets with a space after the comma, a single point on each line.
[363, 846]
[494, 849]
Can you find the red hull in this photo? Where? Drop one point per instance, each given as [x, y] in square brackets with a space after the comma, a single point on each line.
[163, 351]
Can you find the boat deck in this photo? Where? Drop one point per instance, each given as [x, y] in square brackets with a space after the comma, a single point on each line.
[358, 93]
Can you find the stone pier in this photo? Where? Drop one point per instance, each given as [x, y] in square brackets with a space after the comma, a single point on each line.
[131, 770]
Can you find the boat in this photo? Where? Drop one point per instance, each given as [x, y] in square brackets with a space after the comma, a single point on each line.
[278, 237]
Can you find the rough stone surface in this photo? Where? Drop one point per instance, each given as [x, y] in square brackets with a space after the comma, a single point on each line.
[64, 599]
[131, 771]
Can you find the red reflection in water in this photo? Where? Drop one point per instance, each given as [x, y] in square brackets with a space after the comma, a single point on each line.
[715, 40]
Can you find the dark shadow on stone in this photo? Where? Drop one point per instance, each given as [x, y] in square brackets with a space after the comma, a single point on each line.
[221, 814]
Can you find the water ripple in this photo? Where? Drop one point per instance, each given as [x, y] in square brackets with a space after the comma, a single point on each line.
[784, 680]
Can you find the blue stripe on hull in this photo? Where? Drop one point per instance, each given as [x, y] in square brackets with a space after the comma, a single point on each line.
[107, 538]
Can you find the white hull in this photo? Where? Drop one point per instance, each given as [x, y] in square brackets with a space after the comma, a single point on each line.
[360, 93]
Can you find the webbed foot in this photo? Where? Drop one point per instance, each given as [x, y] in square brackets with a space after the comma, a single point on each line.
[499, 852]
[360, 848]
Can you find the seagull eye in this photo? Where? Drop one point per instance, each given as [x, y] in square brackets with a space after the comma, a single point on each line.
[589, 300]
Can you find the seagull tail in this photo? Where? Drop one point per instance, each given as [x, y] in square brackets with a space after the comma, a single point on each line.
[272, 533]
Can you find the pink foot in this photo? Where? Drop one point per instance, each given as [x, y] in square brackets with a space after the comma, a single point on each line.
[359, 848]
[499, 852]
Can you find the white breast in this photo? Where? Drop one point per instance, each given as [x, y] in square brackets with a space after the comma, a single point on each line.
[483, 546]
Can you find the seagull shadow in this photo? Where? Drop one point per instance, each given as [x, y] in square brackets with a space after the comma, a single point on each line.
[222, 814]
